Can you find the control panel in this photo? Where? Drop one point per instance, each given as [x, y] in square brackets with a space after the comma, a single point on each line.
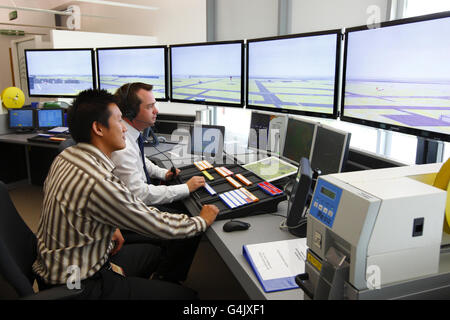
[325, 202]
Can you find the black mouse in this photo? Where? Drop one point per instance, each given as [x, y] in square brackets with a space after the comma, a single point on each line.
[235, 225]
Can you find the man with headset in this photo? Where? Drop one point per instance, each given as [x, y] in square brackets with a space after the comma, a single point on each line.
[138, 106]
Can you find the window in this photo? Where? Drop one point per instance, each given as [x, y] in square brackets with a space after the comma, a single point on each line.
[403, 148]
[420, 7]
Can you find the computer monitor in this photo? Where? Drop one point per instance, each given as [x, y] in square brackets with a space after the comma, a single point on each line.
[299, 139]
[59, 72]
[267, 132]
[330, 149]
[50, 118]
[207, 140]
[259, 130]
[208, 73]
[117, 66]
[294, 73]
[397, 76]
[21, 119]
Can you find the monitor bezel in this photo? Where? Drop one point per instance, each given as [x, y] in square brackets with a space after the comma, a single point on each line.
[166, 70]
[426, 134]
[94, 74]
[212, 103]
[33, 111]
[334, 115]
[45, 109]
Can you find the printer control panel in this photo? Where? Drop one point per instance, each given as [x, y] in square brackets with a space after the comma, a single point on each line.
[325, 202]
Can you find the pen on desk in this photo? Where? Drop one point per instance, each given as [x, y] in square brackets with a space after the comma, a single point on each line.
[45, 135]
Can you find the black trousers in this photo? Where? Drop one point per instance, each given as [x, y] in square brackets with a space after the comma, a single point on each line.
[138, 262]
[176, 255]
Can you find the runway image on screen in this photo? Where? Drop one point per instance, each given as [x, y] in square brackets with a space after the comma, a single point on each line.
[400, 75]
[119, 66]
[293, 73]
[209, 73]
[59, 72]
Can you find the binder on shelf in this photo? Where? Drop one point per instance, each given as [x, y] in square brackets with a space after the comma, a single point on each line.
[277, 263]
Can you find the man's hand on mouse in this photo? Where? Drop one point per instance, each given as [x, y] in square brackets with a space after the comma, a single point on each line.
[195, 182]
[209, 213]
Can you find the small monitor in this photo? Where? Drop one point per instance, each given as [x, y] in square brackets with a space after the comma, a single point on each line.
[299, 139]
[259, 130]
[207, 140]
[59, 72]
[330, 149]
[50, 118]
[21, 119]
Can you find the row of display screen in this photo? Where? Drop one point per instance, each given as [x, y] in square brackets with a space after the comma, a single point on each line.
[394, 77]
[26, 118]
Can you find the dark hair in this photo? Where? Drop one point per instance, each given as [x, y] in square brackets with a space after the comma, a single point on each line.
[89, 106]
[127, 99]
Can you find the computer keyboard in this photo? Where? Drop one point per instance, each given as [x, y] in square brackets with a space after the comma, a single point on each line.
[50, 138]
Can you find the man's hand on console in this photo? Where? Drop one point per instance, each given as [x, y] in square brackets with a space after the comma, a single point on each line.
[195, 182]
[209, 213]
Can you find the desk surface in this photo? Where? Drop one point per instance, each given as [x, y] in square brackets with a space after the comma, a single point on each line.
[264, 228]
[22, 138]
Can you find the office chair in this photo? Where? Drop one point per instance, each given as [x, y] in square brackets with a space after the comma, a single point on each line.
[18, 250]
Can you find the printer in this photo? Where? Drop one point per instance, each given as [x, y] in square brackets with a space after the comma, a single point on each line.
[377, 234]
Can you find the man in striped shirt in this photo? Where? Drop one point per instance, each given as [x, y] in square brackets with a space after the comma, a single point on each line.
[85, 204]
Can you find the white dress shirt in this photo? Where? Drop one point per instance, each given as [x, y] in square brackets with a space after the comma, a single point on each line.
[130, 169]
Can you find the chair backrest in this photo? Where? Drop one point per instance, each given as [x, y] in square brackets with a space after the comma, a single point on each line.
[18, 246]
[65, 144]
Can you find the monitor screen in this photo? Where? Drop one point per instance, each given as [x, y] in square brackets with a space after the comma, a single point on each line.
[398, 76]
[294, 74]
[21, 118]
[210, 73]
[207, 140]
[117, 66]
[59, 72]
[299, 139]
[330, 150]
[50, 118]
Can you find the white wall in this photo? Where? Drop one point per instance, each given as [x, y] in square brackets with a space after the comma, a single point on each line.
[309, 16]
[246, 19]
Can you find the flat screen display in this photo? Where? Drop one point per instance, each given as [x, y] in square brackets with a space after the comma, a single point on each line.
[21, 118]
[294, 74]
[398, 77]
[330, 150]
[299, 139]
[59, 72]
[210, 73]
[118, 66]
[50, 118]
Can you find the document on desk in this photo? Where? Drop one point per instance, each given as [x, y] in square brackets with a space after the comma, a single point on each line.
[277, 263]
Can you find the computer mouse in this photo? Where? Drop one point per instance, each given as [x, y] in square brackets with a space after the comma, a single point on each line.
[235, 225]
[162, 139]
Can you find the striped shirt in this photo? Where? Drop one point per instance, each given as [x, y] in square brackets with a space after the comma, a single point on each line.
[84, 203]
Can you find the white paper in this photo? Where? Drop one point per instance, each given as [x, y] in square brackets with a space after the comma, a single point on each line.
[279, 259]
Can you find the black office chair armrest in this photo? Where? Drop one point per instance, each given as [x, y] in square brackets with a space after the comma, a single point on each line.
[55, 293]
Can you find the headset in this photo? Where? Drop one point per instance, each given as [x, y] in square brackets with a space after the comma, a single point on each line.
[129, 112]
